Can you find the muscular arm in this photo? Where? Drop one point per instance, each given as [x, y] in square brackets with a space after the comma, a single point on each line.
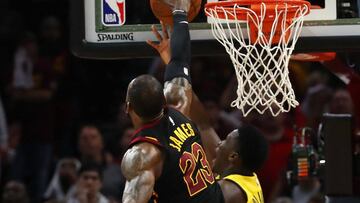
[176, 56]
[178, 91]
[178, 94]
[141, 166]
[209, 137]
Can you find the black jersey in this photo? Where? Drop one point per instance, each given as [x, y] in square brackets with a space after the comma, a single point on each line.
[186, 176]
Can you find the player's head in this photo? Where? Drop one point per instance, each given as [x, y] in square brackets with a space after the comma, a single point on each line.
[145, 98]
[243, 149]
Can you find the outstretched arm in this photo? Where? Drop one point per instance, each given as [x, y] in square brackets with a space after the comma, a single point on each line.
[179, 92]
[209, 137]
[176, 55]
[141, 166]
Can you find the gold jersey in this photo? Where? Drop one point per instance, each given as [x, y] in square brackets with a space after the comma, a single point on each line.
[250, 185]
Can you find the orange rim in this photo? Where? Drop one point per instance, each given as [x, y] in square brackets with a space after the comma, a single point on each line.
[223, 7]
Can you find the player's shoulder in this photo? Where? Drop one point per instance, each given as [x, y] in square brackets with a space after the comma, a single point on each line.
[143, 151]
[139, 157]
[232, 192]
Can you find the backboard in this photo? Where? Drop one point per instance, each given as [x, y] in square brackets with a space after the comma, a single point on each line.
[111, 29]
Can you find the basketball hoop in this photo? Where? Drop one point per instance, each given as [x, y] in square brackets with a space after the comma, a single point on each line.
[259, 36]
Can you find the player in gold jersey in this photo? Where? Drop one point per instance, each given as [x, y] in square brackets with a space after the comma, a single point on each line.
[235, 159]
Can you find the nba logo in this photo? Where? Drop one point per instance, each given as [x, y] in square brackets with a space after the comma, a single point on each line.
[113, 12]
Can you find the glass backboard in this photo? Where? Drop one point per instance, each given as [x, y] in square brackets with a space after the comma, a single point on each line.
[110, 29]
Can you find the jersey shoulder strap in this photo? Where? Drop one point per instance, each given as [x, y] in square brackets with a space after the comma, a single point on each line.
[250, 185]
[150, 133]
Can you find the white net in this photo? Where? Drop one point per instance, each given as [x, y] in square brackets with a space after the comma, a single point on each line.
[260, 59]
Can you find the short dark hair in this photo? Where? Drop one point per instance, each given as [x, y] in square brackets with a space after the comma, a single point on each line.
[88, 125]
[146, 96]
[252, 147]
[91, 166]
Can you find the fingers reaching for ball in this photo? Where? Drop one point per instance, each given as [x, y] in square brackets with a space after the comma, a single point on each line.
[163, 46]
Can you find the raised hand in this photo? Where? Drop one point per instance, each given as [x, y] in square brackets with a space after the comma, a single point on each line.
[163, 47]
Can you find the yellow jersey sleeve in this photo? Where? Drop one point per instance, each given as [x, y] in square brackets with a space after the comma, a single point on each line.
[250, 185]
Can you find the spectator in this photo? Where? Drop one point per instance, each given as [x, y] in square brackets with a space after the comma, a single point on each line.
[15, 192]
[63, 179]
[91, 148]
[24, 62]
[33, 107]
[88, 185]
[51, 41]
[316, 99]
[341, 102]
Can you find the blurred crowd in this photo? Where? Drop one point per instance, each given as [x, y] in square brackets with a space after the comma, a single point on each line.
[63, 130]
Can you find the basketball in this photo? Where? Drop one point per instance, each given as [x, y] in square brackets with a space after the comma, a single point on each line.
[162, 11]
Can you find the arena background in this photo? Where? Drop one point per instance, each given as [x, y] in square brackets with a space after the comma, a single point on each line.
[46, 106]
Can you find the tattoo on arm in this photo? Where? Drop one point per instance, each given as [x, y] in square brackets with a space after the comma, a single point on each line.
[139, 189]
[180, 81]
[137, 168]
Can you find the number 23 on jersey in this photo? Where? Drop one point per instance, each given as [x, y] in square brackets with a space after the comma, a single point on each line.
[196, 178]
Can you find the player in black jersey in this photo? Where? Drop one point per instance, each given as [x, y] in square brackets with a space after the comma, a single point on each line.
[166, 159]
[235, 159]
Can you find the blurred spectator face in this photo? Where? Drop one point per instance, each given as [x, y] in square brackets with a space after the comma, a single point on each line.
[90, 141]
[315, 100]
[271, 126]
[30, 44]
[67, 173]
[14, 192]
[341, 102]
[90, 181]
[50, 29]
